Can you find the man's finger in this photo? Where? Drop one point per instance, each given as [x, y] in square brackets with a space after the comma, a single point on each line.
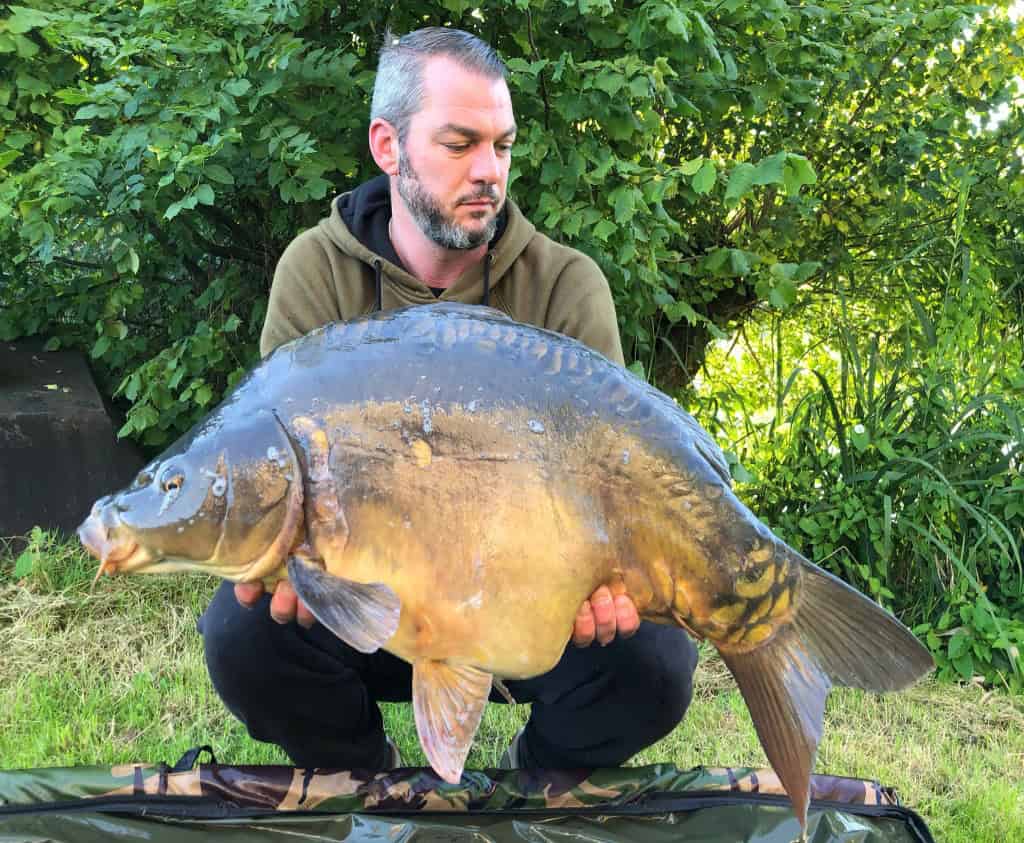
[248, 593]
[627, 621]
[584, 628]
[604, 615]
[283, 603]
[303, 615]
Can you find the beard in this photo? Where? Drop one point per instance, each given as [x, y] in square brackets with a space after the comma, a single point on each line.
[430, 217]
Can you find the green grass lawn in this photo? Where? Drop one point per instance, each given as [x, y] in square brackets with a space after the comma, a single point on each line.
[116, 675]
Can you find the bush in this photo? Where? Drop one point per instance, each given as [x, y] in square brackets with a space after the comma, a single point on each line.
[897, 461]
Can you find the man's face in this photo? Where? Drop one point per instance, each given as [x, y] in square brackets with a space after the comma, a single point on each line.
[453, 166]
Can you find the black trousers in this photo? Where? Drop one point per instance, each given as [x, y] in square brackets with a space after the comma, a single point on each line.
[316, 697]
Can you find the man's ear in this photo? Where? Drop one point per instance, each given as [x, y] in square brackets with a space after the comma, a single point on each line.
[384, 145]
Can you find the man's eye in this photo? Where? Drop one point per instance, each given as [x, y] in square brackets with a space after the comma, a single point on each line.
[457, 147]
[504, 147]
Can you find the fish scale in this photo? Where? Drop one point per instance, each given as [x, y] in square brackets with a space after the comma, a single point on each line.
[422, 475]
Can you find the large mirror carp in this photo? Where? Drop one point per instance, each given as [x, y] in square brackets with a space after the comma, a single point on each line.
[424, 475]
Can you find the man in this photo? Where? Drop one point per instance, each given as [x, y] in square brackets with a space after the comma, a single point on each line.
[436, 225]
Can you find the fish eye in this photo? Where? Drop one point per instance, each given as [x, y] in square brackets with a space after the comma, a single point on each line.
[172, 481]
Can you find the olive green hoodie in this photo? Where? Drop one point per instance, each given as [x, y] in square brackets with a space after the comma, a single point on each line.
[329, 273]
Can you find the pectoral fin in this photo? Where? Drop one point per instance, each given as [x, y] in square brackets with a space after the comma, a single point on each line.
[363, 615]
[448, 702]
[504, 691]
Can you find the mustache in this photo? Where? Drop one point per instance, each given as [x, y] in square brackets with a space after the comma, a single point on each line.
[488, 191]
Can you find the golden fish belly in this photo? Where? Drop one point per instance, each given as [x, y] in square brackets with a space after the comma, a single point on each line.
[496, 585]
[492, 536]
[490, 548]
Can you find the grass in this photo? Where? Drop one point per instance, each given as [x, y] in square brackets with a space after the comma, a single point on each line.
[117, 675]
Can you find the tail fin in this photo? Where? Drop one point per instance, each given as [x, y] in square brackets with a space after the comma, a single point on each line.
[837, 637]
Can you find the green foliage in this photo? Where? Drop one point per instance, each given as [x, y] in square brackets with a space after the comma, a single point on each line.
[711, 156]
[895, 457]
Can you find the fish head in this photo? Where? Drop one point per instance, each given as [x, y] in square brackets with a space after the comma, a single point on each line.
[226, 499]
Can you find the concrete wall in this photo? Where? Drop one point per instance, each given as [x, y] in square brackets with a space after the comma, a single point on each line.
[58, 446]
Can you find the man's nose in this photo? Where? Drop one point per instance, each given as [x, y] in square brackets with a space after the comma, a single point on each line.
[486, 167]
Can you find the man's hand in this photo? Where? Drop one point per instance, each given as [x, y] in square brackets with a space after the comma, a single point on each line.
[285, 605]
[608, 612]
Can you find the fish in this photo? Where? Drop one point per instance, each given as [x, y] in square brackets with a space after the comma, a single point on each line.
[420, 475]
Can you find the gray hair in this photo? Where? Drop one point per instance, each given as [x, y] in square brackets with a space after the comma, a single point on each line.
[398, 89]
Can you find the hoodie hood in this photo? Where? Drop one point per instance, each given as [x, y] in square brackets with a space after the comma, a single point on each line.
[358, 225]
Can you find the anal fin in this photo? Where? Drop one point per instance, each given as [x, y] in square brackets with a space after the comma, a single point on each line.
[448, 702]
[363, 615]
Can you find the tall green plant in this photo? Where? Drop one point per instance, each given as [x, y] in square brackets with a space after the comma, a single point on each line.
[900, 465]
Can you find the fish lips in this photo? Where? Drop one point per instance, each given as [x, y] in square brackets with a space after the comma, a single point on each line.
[114, 553]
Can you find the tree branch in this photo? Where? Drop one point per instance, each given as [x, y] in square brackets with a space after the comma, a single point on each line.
[536, 57]
[195, 270]
[77, 264]
[226, 252]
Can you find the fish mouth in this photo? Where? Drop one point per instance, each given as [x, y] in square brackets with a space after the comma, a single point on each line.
[115, 554]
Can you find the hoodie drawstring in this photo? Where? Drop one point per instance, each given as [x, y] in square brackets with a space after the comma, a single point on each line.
[488, 258]
[378, 277]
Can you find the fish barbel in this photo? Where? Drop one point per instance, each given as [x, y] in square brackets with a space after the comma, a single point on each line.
[422, 475]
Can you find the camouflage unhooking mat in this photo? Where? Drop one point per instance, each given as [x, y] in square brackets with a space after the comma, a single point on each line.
[215, 802]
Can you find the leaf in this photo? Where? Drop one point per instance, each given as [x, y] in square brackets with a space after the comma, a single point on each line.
[8, 157]
[860, 437]
[624, 199]
[740, 181]
[770, 170]
[738, 262]
[603, 229]
[205, 195]
[637, 368]
[25, 19]
[688, 168]
[25, 48]
[809, 526]
[100, 348]
[959, 644]
[964, 666]
[571, 226]
[782, 295]
[237, 87]
[30, 85]
[716, 260]
[705, 178]
[796, 173]
[680, 309]
[24, 564]
[203, 395]
[927, 325]
[217, 173]
[87, 112]
[677, 24]
[317, 188]
[610, 82]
